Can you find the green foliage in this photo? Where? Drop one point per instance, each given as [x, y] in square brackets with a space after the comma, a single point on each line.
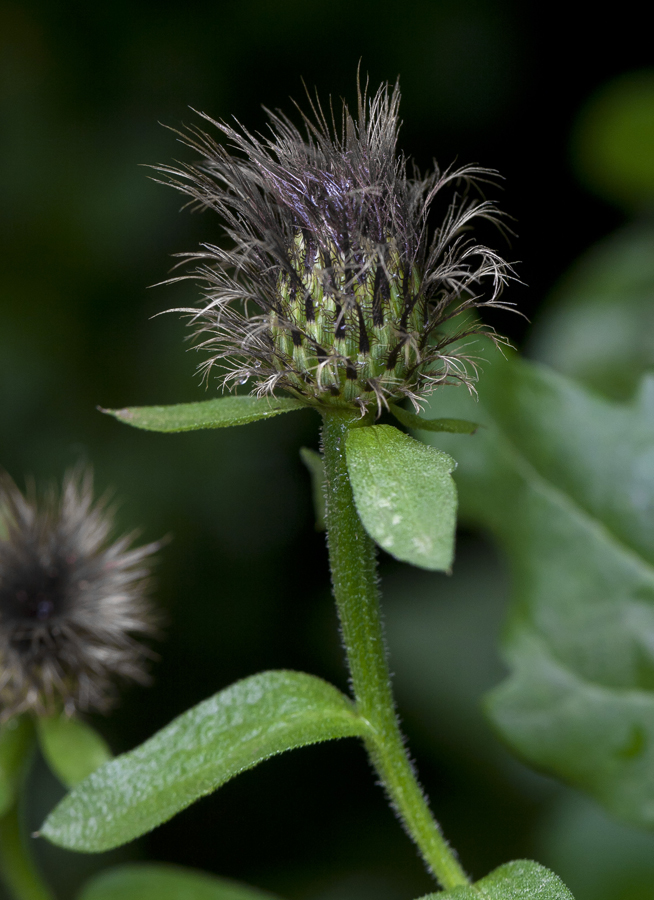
[565, 481]
[404, 494]
[15, 740]
[411, 420]
[198, 751]
[222, 412]
[599, 325]
[598, 857]
[518, 880]
[313, 461]
[71, 748]
[613, 142]
[159, 881]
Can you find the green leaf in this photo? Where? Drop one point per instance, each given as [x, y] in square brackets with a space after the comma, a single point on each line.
[453, 426]
[313, 461]
[598, 326]
[404, 494]
[518, 880]
[565, 481]
[161, 881]
[71, 748]
[16, 735]
[221, 412]
[197, 752]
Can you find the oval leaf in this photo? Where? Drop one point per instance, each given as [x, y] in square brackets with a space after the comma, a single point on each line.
[404, 494]
[518, 880]
[71, 748]
[453, 426]
[222, 412]
[197, 752]
[160, 881]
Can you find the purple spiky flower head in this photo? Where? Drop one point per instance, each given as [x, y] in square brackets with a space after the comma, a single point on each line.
[72, 602]
[338, 286]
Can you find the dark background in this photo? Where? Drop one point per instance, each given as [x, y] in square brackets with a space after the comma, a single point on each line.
[83, 232]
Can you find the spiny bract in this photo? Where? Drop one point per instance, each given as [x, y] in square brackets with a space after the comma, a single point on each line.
[70, 602]
[338, 287]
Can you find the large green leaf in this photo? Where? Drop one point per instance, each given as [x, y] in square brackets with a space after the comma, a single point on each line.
[518, 880]
[598, 325]
[565, 481]
[404, 494]
[71, 747]
[218, 413]
[161, 881]
[197, 752]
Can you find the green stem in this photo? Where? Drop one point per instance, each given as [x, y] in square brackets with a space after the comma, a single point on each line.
[353, 564]
[17, 867]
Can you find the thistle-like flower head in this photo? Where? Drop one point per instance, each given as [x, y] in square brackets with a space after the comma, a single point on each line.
[71, 602]
[338, 286]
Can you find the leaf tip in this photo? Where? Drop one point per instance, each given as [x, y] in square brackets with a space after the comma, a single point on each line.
[124, 415]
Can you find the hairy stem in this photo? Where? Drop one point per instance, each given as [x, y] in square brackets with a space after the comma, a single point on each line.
[354, 576]
[17, 867]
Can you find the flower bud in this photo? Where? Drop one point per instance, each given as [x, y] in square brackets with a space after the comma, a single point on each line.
[71, 602]
[339, 287]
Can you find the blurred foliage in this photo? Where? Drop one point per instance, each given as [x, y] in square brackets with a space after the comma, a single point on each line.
[598, 325]
[564, 482]
[244, 580]
[613, 141]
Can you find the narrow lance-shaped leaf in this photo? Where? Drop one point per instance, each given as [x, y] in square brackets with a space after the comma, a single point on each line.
[71, 747]
[419, 423]
[221, 412]
[161, 881]
[518, 880]
[197, 752]
[404, 494]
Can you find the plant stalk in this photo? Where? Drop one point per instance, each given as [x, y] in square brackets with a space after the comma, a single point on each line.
[353, 563]
[17, 867]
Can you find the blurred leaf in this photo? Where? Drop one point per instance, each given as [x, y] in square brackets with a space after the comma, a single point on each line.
[160, 881]
[221, 412]
[443, 632]
[599, 324]
[15, 740]
[71, 748]
[565, 481]
[613, 142]
[405, 495]
[197, 752]
[313, 461]
[518, 880]
[411, 420]
[597, 857]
